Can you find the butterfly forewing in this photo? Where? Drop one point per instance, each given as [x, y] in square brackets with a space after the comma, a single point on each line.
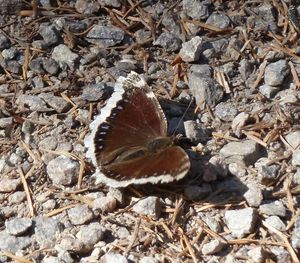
[132, 123]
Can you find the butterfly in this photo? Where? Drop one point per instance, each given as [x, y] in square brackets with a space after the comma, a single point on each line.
[129, 144]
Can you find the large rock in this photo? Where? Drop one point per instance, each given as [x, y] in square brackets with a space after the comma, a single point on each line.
[206, 90]
[247, 151]
[63, 170]
[241, 222]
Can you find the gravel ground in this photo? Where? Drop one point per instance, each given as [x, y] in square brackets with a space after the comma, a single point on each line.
[228, 68]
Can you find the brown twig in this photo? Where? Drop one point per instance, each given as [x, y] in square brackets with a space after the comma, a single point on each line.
[26, 189]
[16, 258]
[189, 246]
[260, 74]
[208, 27]
[295, 75]
[59, 210]
[134, 237]
[285, 241]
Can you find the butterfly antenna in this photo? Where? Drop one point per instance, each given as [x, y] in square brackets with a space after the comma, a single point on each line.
[184, 114]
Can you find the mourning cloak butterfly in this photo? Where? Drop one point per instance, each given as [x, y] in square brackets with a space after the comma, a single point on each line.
[129, 143]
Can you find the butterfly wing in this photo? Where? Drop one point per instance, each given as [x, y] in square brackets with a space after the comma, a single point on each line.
[131, 119]
[168, 165]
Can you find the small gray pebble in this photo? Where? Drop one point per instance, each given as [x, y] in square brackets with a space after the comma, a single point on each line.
[296, 235]
[48, 143]
[113, 3]
[213, 48]
[225, 111]
[276, 72]
[47, 230]
[169, 41]
[212, 247]
[94, 92]
[126, 65]
[6, 122]
[50, 65]
[231, 259]
[254, 196]
[27, 127]
[36, 65]
[73, 244]
[90, 234]
[239, 122]
[123, 233]
[37, 82]
[148, 260]
[206, 90]
[49, 34]
[196, 132]
[62, 170]
[218, 20]
[49, 204]
[247, 150]
[13, 244]
[237, 169]
[11, 66]
[296, 158]
[14, 159]
[34, 103]
[296, 177]
[268, 91]
[213, 222]
[4, 42]
[18, 226]
[39, 44]
[58, 259]
[87, 7]
[216, 167]
[268, 173]
[51, 260]
[280, 254]
[171, 23]
[293, 138]
[276, 222]
[9, 185]
[105, 204]
[246, 68]
[9, 53]
[196, 9]
[55, 102]
[257, 254]
[204, 69]
[273, 56]
[273, 208]
[64, 56]
[105, 36]
[191, 50]
[149, 206]
[112, 257]
[80, 214]
[17, 197]
[241, 222]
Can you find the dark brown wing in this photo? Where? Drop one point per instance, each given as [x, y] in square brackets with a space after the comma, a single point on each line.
[167, 165]
[134, 120]
[122, 132]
